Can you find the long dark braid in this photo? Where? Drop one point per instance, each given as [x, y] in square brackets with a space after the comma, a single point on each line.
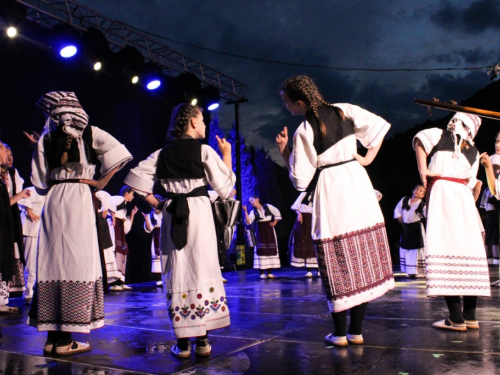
[304, 88]
[179, 121]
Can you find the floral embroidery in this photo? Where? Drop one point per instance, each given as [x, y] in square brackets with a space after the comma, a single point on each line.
[207, 311]
[193, 317]
[223, 308]
[211, 290]
[222, 299]
[215, 306]
[185, 312]
[199, 296]
[206, 302]
[183, 296]
[177, 318]
[200, 311]
[192, 306]
[176, 308]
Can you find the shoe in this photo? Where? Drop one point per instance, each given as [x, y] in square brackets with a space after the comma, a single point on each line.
[263, 276]
[202, 351]
[355, 339]
[308, 275]
[126, 287]
[8, 309]
[74, 348]
[224, 280]
[27, 301]
[159, 283]
[449, 325]
[471, 324]
[181, 353]
[270, 276]
[48, 348]
[116, 288]
[336, 340]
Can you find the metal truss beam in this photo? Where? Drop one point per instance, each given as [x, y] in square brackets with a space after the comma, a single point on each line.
[49, 13]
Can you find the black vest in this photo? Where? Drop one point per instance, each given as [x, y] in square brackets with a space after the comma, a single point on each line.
[267, 212]
[54, 148]
[180, 158]
[336, 128]
[446, 143]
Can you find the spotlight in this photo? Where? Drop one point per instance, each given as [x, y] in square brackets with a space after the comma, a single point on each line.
[135, 79]
[210, 98]
[96, 49]
[68, 51]
[194, 101]
[152, 76]
[11, 32]
[97, 66]
[130, 63]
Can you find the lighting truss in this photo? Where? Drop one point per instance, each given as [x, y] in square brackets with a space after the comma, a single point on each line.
[49, 13]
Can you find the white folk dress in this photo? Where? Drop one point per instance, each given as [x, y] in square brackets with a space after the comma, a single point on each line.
[155, 259]
[69, 276]
[454, 250]
[121, 214]
[412, 261]
[30, 237]
[266, 262]
[305, 209]
[348, 227]
[192, 279]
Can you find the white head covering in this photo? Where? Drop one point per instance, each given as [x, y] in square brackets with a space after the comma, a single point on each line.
[63, 105]
[466, 126]
[495, 159]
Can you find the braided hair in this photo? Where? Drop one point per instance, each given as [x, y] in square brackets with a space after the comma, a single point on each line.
[179, 121]
[304, 88]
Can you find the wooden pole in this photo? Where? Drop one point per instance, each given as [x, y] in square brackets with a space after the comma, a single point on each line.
[458, 108]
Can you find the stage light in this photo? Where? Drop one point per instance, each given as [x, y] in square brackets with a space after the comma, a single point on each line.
[95, 48]
[213, 106]
[129, 63]
[68, 51]
[194, 101]
[97, 66]
[152, 76]
[11, 32]
[135, 79]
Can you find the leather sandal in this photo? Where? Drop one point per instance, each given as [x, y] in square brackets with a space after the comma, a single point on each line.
[74, 348]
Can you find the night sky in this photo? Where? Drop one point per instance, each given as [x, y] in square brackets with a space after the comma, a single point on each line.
[385, 34]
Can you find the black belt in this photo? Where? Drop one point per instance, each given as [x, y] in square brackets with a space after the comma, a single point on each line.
[179, 208]
[312, 185]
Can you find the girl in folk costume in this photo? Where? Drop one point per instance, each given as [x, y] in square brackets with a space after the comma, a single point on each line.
[455, 258]
[14, 184]
[114, 276]
[30, 216]
[302, 249]
[152, 224]
[410, 211]
[348, 228]
[121, 226]
[266, 255]
[69, 288]
[7, 238]
[192, 280]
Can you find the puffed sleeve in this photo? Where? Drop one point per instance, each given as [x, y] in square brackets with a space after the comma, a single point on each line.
[40, 174]
[105, 199]
[303, 159]
[369, 128]
[251, 216]
[274, 211]
[398, 211]
[110, 152]
[296, 205]
[218, 175]
[142, 178]
[429, 138]
[19, 182]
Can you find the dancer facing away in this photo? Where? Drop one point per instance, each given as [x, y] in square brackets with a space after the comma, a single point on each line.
[266, 255]
[302, 247]
[346, 214]
[409, 212]
[69, 287]
[455, 258]
[152, 224]
[192, 279]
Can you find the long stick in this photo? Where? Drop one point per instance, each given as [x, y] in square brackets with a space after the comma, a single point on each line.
[458, 108]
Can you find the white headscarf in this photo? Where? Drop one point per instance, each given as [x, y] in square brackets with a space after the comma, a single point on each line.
[466, 126]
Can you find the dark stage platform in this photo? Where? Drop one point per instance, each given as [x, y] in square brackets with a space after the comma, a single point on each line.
[277, 327]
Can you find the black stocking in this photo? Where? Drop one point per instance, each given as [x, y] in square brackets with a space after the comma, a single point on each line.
[455, 309]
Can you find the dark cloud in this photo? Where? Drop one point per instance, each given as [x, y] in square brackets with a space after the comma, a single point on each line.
[476, 18]
[468, 57]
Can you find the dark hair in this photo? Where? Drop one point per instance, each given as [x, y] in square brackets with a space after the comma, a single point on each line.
[125, 189]
[179, 121]
[304, 88]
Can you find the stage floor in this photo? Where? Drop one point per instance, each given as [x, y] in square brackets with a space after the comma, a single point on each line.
[277, 327]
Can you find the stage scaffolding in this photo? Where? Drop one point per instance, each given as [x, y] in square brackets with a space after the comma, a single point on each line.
[49, 13]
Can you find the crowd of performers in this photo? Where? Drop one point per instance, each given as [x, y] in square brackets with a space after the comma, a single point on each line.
[68, 235]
